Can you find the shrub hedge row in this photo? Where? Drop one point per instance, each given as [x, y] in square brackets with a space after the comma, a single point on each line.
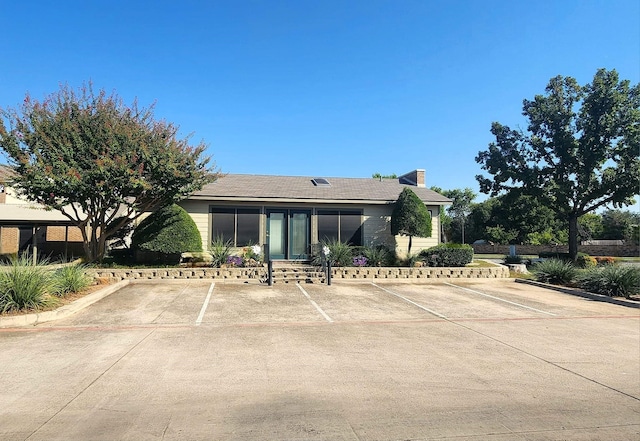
[447, 255]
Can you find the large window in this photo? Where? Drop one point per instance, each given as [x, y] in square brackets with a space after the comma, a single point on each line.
[342, 225]
[240, 226]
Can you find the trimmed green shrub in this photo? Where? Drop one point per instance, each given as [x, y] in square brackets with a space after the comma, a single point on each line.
[70, 279]
[553, 255]
[555, 271]
[586, 261]
[164, 235]
[448, 254]
[612, 280]
[513, 259]
[25, 285]
[410, 217]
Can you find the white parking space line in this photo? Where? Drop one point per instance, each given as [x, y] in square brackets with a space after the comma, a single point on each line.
[204, 305]
[410, 301]
[324, 314]
[499, 299]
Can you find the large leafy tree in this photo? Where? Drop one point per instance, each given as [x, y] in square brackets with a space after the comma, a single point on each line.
[454, 217]
[515, 219]
[619, 224]
[579, 152]
[410, 217]
[98, 161]
[460, 208]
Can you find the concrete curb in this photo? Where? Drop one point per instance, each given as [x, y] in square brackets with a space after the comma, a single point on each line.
[583, 294]
[62, 312]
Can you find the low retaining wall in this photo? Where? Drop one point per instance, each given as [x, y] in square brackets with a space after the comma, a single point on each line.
[226, 274]
[259, 275]
[496, 272]
[592, 250]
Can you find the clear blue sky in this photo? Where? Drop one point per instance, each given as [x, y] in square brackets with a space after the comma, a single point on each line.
[327, 87]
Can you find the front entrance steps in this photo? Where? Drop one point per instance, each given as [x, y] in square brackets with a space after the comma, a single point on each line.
[297, 272]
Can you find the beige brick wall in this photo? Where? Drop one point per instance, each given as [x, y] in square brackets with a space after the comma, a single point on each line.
[9, 240]
[58, 234]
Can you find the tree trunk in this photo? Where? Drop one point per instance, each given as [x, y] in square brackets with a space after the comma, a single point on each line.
[573, 237]
[463, 221]
[409, 250]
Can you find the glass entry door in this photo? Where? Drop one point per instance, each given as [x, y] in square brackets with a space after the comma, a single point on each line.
[277, 234]
[288, 234]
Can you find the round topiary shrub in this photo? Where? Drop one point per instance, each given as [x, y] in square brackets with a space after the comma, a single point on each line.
[165, 235]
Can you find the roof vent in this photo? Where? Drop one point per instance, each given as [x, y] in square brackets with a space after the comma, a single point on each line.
[321, 182]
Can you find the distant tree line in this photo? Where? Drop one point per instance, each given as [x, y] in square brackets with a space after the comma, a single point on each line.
[511, 219]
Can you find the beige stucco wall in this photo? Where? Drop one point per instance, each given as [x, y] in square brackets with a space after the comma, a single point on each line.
[11, 197]
[199, 211]
[377, 231]
[377, 226]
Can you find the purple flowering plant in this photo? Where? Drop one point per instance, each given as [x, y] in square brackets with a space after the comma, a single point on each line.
[359, 261]
[234, 260]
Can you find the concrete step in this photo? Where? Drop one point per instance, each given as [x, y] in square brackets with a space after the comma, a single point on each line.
[298, 273]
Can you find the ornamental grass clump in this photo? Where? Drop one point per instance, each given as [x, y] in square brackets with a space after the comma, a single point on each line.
[70, 279]
[340, 253]
[378, 255]
[25, 285]
[220, 250]
[555, 271]
[612, 280]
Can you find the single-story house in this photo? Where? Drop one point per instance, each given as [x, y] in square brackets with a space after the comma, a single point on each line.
[291, 215]
[29, 227]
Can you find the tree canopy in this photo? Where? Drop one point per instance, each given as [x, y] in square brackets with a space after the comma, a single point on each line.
[98, 161]
[410, 217]
[381, 176]
[579, 152]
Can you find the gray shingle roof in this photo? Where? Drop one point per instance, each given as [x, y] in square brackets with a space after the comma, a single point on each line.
[301, 188]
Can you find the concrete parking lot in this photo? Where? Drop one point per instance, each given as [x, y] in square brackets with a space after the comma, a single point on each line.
[196, 360]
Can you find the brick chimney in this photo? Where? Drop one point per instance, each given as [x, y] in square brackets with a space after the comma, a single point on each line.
[415, 177]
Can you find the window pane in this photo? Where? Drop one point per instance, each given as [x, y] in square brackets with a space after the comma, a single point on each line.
[327, 226]
[223, 224]
[351, 227]
[299, 235]
[277, 235]
[248, 227]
